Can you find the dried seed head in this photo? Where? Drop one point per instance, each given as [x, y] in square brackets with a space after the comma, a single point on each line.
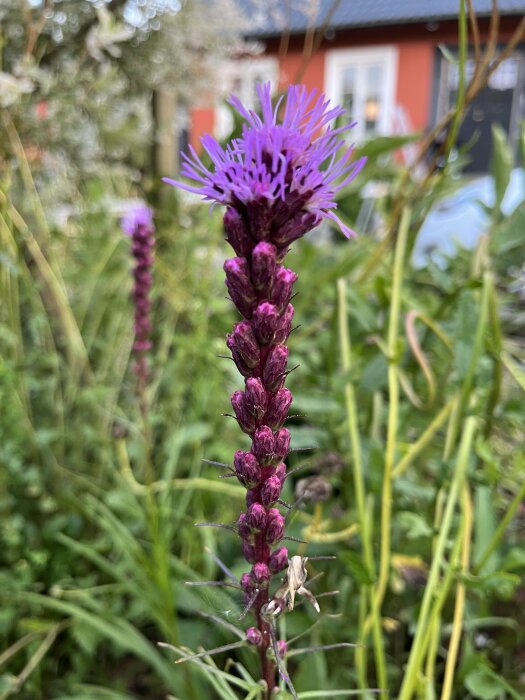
[314, 489]
[330, 463]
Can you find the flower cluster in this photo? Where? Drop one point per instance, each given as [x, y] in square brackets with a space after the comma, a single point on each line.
[277, 180]
[138, 224]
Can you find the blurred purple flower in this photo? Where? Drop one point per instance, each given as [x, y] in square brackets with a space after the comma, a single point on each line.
[138, 224]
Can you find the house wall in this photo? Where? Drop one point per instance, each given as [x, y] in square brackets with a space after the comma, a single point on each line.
[416, 45]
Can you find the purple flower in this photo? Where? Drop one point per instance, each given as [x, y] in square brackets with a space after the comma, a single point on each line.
[287, 165]
[138, 224]
[277, 180]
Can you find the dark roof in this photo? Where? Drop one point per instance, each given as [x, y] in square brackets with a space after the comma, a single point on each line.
[270, 17]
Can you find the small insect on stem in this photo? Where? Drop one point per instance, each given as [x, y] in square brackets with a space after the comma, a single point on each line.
[293, 583]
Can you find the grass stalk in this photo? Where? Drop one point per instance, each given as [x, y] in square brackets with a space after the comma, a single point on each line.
[459, 608]
[393, 407]
[417, 652]
[360, 496]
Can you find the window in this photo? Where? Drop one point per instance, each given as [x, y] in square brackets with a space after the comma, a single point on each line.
[240, 78]
[363, 81]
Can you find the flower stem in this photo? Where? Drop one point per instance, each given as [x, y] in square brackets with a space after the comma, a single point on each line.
[457, 623]
[360, 496]
[393, 408]
[418, 647]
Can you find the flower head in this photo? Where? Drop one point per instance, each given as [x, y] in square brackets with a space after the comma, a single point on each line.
[288, 162]
[137, 218]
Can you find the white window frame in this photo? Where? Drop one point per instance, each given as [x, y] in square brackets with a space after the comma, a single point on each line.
[247, 69]
[338, 59]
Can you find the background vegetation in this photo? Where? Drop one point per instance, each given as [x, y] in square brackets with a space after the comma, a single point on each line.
[410, 387]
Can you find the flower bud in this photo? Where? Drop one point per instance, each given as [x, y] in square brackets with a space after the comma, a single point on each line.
[241, 341]
[280, 471]
[247, 468]
[244, 418]
[278, 560]
[278, 408]
[294, 228]
[260, 573]
[263, 264]
[239, 285]
[236, 232]
[266, 321]
[285, 326]
[256, 517]
[249, 553]
[271, 490]
[254, 636]
[282, 288]
[263, 443]
[252, 496]
[259, 218]
[245, 531]
[247, 583]
[274, 526]
[275, 367]
[255, 397]
[282, 648]
[282, 444]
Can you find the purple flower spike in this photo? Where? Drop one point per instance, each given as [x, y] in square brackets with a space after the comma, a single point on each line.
[138, 224]
[278, 180]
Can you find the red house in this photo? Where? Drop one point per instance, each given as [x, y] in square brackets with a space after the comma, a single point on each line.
[382, 60]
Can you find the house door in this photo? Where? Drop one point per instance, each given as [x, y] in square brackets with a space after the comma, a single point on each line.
[501, 102]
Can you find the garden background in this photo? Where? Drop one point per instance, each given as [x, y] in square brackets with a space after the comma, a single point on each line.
[409, 387]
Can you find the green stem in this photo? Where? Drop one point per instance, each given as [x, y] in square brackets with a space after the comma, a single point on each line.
[418, 649]
[393, 407]
[360, 496]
